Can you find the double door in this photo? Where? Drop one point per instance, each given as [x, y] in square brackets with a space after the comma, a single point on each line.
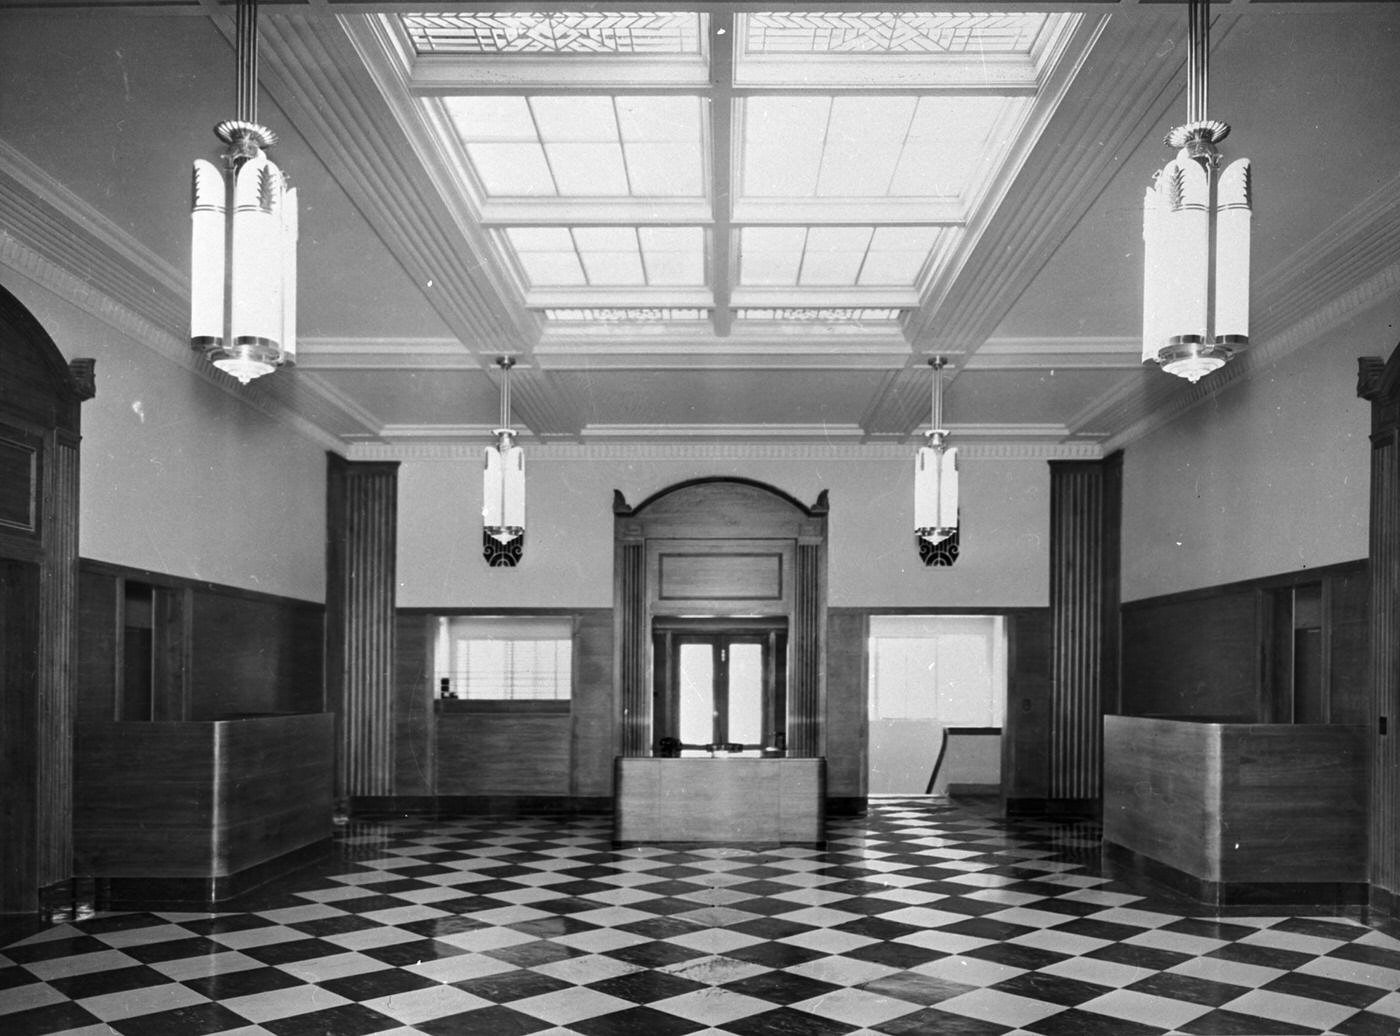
[720, 689]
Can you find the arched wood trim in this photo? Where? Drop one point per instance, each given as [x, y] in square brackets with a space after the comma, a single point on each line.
[817, 510]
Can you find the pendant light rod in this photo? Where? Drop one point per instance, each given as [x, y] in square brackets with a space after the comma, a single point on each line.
[1197, 60]
[936, 431]
[246, 48]
[505, 363]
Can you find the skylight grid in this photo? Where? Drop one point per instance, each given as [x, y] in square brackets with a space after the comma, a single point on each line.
[581, 146]
[609, 256]
[874, 146]
[649, 33]
[867, 257]
[891, 32]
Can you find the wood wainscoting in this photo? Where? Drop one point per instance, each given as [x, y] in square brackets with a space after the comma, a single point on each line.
[197, 812]
[1239, 812]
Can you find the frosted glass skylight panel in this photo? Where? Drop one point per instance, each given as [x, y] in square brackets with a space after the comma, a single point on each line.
[610, 256]
[953, 140]
[783, 142]
[890, 32]
[834, 255]
[661, 141]
[582, 146]
[555, 32]
[896, 256]
[673, 256]
[553, 269]
[875, 146]
[771, 256]
[547, 256]
[864, 138]
[499, 136]
[574, 118]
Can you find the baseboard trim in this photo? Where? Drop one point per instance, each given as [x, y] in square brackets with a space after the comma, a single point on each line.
[146, 893]
[479, 805]
[1121, 861]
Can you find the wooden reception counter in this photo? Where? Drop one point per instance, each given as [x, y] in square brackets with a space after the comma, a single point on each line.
[199, 811]
[739, 800]
[1239, 812]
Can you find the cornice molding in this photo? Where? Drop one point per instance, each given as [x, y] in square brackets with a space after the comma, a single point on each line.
[72, 289]
[41, 214]
[626, 452]
[1059, 353]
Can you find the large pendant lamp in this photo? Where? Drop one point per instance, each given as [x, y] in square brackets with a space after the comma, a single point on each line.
[936, 486]
[1196, 227]
[503, 488]
[243, 251]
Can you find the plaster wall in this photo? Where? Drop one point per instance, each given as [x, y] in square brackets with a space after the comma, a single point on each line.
[1271, 475]
[873, 561]
[182, 476]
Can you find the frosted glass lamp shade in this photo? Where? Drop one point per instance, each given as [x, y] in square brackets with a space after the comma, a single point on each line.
[1233, 207]
[503, 492]
[935, 492]
[243, 268]
[208, 219]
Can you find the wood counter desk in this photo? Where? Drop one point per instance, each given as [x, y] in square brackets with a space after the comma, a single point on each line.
[198, 811]
[739, 800]
[1239, 812]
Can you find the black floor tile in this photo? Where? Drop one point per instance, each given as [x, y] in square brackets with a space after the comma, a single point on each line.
[1232, 1023]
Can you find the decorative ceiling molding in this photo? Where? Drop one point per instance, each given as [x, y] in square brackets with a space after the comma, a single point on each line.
[737, 451]
[86, 296]
[1056, 354]
[328, 354]
[846, 351]
[44, 215]
[326, 91]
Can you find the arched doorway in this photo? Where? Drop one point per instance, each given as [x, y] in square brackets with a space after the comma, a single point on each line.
[40, 397]
[705, 565]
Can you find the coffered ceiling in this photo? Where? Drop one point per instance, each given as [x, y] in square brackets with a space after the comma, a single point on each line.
[707, 224]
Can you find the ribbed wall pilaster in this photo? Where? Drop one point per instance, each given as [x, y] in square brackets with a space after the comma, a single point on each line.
[58, 596]
[362, 512]
[1385, 661]
[633, 679]
[1084, 537]
[805, 706]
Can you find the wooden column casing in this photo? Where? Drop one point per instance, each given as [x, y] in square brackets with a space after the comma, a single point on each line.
[361, 540]
[58, 606]
[1379, 383]
[1085, 521]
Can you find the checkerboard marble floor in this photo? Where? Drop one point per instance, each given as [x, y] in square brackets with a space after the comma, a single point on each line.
[920, 917]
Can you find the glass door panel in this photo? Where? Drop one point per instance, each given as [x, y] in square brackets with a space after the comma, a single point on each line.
[696, 693]
[745, 694]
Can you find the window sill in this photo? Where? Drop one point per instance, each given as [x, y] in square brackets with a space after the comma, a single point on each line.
[457, 706]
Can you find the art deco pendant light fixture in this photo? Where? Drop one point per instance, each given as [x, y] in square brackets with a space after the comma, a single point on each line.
[936, 486]
[503, 488]
[244, 237]
[1196, 228]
